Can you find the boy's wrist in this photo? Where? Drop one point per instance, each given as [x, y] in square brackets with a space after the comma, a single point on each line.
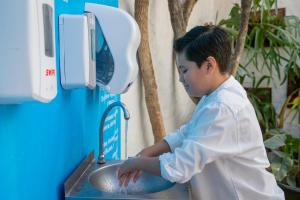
[145, 153]
[137, 162]
[148, 164]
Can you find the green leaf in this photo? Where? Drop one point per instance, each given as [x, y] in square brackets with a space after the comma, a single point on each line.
[274, 37]
[275, 142]
[288, 37]
[281, 167]
[279, 153]
[255, 104]
[235, 11]
[231, 31]
[265, 77]
[296, 103]
[257, 37]
[253, 80]
[276, 131]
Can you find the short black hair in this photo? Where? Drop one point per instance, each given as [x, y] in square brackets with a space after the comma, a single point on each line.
[203, 41]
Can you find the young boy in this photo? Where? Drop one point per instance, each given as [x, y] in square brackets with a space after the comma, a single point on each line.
[220, 150]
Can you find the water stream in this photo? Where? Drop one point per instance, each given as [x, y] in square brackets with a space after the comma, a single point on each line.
[126, 135]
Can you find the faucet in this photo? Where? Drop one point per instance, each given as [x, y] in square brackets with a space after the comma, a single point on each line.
[101, 158]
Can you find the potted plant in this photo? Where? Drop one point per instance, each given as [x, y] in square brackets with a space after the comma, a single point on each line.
[284, 149]
[284, 156]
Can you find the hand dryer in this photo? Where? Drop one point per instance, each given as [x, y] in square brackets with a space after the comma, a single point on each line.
[100, 44]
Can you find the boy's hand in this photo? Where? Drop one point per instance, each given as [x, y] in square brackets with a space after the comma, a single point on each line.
[128, 170]
[144, 153]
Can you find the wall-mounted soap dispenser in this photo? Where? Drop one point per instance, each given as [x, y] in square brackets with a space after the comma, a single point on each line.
[105, 37]
[116, 62]
[77, 50]
[27, 51]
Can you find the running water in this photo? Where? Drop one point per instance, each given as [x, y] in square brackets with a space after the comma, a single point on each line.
[122, 189]
[126, 145]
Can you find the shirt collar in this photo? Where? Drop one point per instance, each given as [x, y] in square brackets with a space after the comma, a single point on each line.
[225, 84]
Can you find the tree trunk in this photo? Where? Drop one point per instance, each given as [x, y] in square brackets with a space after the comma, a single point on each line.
[177, 19]
[180, 15]
[240, 43]
[187, 10]
[147, 72]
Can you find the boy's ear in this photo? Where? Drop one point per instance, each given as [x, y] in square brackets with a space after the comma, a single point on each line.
[211, 64]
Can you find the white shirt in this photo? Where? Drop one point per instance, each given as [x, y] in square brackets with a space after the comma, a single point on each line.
[221, 151]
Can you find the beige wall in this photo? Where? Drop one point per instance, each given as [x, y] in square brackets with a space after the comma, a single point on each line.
[175, 104]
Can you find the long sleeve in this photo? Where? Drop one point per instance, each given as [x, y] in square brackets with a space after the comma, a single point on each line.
[212, 134]
[175, 139]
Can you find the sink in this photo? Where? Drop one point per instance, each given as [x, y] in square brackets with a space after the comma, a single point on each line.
[93, 181]
[105, 179]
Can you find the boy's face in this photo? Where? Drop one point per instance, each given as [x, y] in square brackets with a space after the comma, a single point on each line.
[196, 80]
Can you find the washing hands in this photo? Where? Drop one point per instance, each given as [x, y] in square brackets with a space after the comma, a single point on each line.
[132, 168]
[147, 160]
[128, 170]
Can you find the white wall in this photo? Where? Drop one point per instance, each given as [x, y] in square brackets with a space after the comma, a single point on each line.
[175, 104]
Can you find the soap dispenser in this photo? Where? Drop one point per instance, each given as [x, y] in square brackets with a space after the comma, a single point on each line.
[77, 51]
[27, 51]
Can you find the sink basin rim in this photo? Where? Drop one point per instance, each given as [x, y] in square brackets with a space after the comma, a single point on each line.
[146, 184]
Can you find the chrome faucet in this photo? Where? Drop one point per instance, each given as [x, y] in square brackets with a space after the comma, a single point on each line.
[101, 158]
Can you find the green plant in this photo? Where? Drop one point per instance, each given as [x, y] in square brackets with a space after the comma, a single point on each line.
[265, 112]
[271, 38]
[295, 108]
[284, 147]
[261, 101]
[284, 155]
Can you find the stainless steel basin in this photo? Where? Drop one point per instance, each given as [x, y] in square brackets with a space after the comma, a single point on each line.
[105, 179]
[91, 181]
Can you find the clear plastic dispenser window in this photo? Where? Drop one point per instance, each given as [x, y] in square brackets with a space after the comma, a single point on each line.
[98, 47]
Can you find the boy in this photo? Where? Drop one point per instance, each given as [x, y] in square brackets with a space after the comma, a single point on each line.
[220, 150]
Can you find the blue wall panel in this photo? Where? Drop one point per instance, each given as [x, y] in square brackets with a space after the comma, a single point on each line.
[41, 144]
